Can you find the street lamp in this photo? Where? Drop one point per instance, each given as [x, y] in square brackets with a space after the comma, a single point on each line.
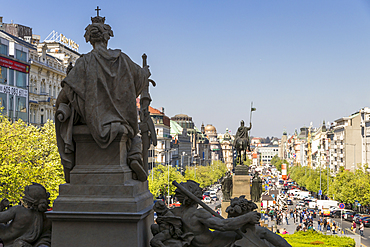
[354, 154]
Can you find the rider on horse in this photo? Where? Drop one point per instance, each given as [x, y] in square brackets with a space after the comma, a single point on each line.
[242, 140]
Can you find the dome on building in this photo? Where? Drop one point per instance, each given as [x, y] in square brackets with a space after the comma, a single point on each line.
[210, 128]
[181, 115]
[184, 121]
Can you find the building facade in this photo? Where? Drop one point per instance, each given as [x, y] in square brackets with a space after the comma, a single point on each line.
[346, 143]
[266, 153]
[226, 142]
[48, 63]
[14, 76]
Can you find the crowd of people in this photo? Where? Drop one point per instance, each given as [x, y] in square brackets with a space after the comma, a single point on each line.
[303, 218]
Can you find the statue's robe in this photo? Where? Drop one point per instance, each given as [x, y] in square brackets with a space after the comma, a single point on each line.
[102, 89]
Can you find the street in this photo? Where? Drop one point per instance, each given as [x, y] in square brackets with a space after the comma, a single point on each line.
[291, 227]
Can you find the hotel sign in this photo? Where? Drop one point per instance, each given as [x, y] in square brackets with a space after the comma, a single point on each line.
[8, 63]
[64, 40]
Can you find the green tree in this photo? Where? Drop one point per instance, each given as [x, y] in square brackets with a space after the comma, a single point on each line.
[28, 154]
[206, 175]
[160, 182]
[277, 162]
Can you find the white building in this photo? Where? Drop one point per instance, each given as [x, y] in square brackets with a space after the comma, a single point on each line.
[48, 69]
[346, 144]
[266, 153]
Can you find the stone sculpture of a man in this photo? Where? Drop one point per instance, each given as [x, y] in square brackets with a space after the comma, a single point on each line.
[256, 190]
[100, 91]
[227, 185]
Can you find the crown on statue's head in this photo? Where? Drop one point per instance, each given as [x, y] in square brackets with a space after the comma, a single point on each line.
[98, 19]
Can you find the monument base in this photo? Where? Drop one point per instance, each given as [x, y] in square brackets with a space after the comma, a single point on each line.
[101, 228]
[102, 205]
[242, 186]
[224, 205]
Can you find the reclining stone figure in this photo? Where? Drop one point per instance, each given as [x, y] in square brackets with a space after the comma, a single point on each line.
[167, 231]
[241, 225]
[26, 225]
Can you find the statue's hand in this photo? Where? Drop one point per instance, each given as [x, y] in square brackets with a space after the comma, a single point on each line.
[253, 217]
[147, 71]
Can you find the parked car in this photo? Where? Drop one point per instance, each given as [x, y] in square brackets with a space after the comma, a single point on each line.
[349, 216]
[358, 216]
[207, 199]
[359, 219]
[336, 213]
[312, 211]
[213, 195]
[366, 222]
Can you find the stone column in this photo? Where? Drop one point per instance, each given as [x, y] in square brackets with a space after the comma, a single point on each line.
[102, 205]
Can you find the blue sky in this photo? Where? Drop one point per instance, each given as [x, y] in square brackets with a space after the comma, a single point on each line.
[298, 61]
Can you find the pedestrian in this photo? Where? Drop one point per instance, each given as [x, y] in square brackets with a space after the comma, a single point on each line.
[319, 223]
[271, 213]
[361, 228]
[353, 226]
[333, 227]
[310, 226]
[299, 228]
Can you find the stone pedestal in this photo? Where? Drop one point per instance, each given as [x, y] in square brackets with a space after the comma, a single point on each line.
[242, 186]
[102, 205]
[224, 205]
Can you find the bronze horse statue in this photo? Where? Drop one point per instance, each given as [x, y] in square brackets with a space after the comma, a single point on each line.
[242, 146]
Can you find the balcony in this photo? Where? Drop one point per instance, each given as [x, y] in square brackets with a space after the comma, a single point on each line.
[341, 155]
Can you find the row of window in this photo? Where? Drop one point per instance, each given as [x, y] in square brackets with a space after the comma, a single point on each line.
[20, 55]
[12, 77]
[14, 107]
[53, 91]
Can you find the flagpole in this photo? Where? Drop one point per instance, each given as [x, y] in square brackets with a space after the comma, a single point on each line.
[250, 117]
[250, 122]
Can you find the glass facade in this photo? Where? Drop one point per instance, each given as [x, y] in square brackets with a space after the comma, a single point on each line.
[3, 75]
[11, 107]
[3, 103]
[21, 79]
[21, 108]
[11, 77]
[20, 55]
[3, 49]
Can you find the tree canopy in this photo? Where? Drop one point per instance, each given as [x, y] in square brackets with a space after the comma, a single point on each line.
[345, 186]
[28, 154]
[204, 175]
